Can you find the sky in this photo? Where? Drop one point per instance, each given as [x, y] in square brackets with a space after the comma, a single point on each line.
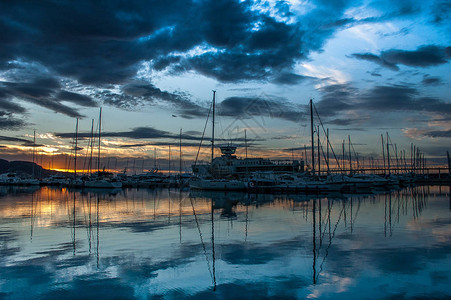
[370, 67]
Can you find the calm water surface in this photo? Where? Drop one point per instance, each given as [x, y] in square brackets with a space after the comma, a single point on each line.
[58, 243]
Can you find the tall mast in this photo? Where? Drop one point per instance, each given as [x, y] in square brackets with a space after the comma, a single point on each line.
[91, 146]
[180, 162]
[169, 162]
[449, 162]
[350, 157]
[155, 158]
[75, 150]
[245, 141]
[319, 152]
[213, 129]
[388, 155]
[327, 154]
[383, 151]
[313, 137]
[34, 149]
[397, 162]
[343, 156]
[100, 133]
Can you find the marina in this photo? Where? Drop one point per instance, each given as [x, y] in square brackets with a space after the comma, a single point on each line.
[225, 149]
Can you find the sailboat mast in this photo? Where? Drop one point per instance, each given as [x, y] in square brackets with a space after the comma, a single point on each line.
[312, 136]
[383, 151]
[319, 152]
[245, 141]
[34, 148]
[169, 162]
[343, 156]
[91, 146]
[155, 158]
[213, 129]
[388, 155]
[449, 162]
[350, 156]
[100, 133]
[327, 152]
[180, 162]
[75, 150]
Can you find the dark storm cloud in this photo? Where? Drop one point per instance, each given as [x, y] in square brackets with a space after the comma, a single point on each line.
[24, 142]
[13, 139]
[9, 122]
[79, 99]
[290, 78]
[251, 54]
[152, 133]
[428, 80]
[424, 56]
[265, 106]
[402, 98]
[42, 91]
[135, 133]
[376, 59]
[438, 134]
[7, 105]
[175, 144]
[338, 100]
[148, 92]
[335, 99]
[344, 122]
[104, 42]
[440, 12]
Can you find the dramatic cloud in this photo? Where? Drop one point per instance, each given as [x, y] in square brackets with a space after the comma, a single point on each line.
[437, 134]
[135, 133]
[335, 99]
[265, 106]
[140, 133]
[24, 142]
[174, 144]
[424, 56]
[42, 91]
[428, 80]
[339, 99]
[376, 59]
[9, 122]
[181, 102]
[75, 98]
[105, 42]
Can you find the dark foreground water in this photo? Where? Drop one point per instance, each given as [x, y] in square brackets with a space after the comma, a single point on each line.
[168, 244]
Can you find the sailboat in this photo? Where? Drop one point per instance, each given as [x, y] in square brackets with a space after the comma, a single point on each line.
[207, 183]
[101, 179]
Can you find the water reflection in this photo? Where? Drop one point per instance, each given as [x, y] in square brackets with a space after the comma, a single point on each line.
[148, 243]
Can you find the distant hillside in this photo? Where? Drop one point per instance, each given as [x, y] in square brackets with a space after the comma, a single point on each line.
[24, 168]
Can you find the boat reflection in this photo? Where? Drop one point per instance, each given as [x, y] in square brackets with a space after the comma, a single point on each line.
[181, 238]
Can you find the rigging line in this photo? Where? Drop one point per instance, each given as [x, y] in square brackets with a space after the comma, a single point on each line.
[393, 147]
[327, 222]
[324, 155]
[203, 134]
[356, 156]
[213, 244]
[330, 243]
[84, 213]
[331, 148]
[87, 152]
[201, 238]
[356, 213]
